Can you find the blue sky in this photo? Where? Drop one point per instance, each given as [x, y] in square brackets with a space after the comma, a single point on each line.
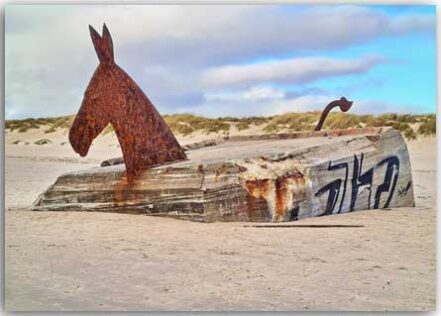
[227, 60]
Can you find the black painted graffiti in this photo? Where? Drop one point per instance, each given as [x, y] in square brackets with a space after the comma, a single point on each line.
[361, 179]
[393, 163]
[294, 213]
[334, 189]
[403, 190]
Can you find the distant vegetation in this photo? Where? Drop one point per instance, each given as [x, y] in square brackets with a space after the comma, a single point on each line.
[185, 124]
[292, 122]
[51, 124]
[409, 125]
[428, 126]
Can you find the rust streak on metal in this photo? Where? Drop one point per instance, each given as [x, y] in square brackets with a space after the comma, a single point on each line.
[344, 105]
[113, 97]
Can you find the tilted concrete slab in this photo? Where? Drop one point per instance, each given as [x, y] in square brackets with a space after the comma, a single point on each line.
[279, 177]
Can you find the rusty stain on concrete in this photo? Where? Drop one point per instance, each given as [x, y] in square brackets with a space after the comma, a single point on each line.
[257, 189]
[274, 186]
[279, 193]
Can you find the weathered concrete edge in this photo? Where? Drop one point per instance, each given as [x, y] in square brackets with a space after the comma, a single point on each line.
[141, 210]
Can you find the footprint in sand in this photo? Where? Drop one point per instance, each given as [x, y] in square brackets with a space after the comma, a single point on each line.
[43, 141]
[20, 142]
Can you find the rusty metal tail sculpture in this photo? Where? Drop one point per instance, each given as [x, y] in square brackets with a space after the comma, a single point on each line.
[113, 97]
[344, 105]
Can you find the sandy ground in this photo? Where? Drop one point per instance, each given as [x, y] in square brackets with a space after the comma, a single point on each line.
[93, 261]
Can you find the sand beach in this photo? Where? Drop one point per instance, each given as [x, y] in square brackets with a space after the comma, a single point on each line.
[76, 261]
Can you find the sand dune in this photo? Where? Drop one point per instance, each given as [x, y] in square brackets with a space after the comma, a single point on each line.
[93, 261]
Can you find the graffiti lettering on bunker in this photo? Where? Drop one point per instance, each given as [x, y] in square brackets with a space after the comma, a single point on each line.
[361, 178]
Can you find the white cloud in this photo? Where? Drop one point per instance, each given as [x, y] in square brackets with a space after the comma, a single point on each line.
[49, 57]
[411, 23]
[255, 94]
[372, 106]
[237, 105]
[262, 93]
[296, 70]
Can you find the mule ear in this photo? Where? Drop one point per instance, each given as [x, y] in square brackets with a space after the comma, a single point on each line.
[96, 40]
[107, 42]
[105, 55]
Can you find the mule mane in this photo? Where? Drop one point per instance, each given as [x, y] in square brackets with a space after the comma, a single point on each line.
[144, 136]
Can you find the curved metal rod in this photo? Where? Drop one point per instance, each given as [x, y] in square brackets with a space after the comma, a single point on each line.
[344, 105]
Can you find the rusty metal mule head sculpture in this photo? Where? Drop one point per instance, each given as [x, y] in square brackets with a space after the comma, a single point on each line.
[113, 97]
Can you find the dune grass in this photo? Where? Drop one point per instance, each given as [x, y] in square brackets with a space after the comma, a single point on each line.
[428, 125]
[186, 124]
[53, 123]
